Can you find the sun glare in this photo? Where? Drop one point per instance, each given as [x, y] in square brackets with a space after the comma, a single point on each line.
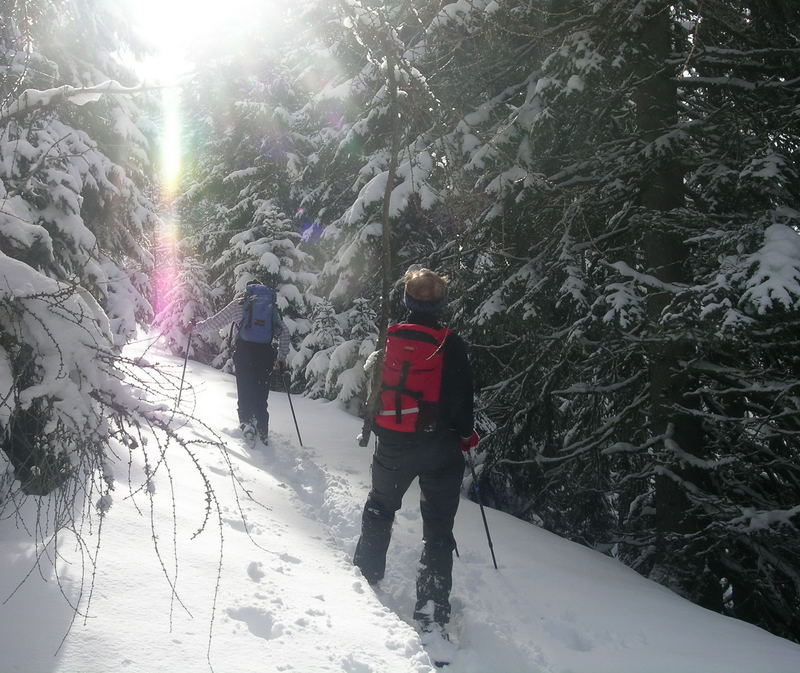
[179, 30]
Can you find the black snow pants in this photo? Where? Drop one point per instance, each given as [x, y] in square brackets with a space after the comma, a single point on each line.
[253, 364]
[439, 464]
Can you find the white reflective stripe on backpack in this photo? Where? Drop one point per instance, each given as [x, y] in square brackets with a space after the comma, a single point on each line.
[413, 410]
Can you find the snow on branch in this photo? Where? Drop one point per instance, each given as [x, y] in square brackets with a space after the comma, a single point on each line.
[644, 278]
[32, 99]
[775, 275]
[738, 82]
[752, 519]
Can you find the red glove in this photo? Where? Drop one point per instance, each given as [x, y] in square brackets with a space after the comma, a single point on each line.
[467, 443]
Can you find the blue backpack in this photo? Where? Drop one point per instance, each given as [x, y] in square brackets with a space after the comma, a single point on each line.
[258, 314]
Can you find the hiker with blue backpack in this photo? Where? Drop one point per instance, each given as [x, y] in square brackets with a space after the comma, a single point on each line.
[259, 322]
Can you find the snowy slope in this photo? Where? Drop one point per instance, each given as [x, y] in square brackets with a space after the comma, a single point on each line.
[287, 598]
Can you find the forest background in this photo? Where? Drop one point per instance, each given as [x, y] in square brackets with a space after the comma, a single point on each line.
[611, 186]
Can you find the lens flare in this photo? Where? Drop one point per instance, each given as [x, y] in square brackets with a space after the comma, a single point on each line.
[171, 142]
[177, 31]
[167, 271]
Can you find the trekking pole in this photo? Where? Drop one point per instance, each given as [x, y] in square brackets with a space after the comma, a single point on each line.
[480, 504]
[185, 360]
[291, 406]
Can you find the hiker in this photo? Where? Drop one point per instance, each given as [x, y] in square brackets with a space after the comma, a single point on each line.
[423, 423]
[254, 357]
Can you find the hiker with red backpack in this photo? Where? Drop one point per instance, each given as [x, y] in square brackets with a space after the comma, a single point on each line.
[259, 322]
[423, 424]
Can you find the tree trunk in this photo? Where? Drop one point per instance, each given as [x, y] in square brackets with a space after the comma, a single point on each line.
[666, 257]
[387, 275]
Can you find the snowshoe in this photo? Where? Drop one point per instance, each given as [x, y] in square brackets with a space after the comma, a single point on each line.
[249, 434]
[437, 644]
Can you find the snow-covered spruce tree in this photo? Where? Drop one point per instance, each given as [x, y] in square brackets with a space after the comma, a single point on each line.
[384, 106]
[233, 209]
[188, 297]
[375, 175]
[218, 145]
[307, 129]
[642, 186]
[268, 251]
[92, 157]
[73, 170]
[312, 359]
[346, 379]
[298, 140]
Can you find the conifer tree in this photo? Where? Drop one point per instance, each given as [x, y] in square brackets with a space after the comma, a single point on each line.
[346, 378]
[233, 210]
[74, 171]
[375, 149]
[638, 188]
[312, 360]
[188, 298]
[611, 186]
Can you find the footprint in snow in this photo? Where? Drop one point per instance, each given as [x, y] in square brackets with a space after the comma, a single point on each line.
[352, 665]
[259, 622]
[569, 636]
[223, 472]
[255, 572]
[242, 526]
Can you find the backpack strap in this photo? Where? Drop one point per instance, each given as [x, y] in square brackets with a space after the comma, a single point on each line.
[399, 390]
[247, 316]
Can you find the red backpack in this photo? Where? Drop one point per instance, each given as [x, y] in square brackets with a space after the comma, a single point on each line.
[411, 381]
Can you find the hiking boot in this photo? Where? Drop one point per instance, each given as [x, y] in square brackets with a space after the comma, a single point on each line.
[249, 433]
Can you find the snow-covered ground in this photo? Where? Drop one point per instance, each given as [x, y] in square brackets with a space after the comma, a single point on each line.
[286, 597]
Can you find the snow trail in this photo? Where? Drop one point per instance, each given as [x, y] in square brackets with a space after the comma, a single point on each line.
[326, 497]
[288, 597]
